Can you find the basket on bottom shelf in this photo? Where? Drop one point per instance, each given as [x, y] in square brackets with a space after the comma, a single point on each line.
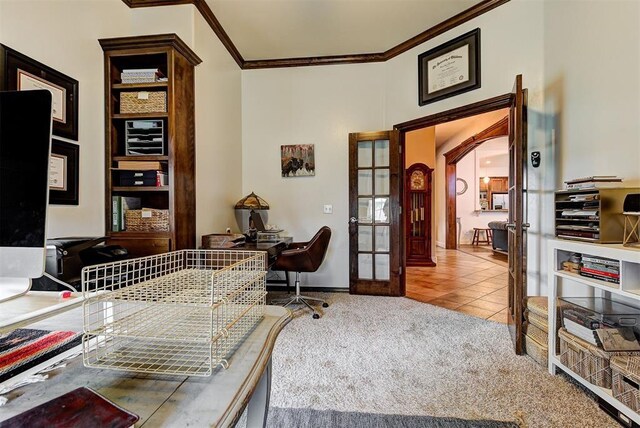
[587, 360]
[182, 312]
[626, 380]
[147, 220]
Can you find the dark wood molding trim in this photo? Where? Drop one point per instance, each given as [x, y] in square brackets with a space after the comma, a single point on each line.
[206, 13]
[151, 41]
[495, 103]
[202, 6]
[459, 19]
[311, 61]
[498, 129]
[491, 104]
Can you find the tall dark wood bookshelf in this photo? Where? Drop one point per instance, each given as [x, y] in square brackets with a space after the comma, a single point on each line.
[175, 61]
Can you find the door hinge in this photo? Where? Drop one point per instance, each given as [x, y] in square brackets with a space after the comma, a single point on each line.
[399, 149]
[400, 270]
[400, 210]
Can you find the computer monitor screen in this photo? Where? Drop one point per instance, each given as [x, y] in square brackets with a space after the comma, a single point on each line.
[25, 144]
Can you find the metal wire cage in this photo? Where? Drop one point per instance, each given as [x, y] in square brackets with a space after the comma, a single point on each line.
[182, 312]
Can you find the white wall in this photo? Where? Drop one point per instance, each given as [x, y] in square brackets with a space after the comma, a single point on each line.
[321, 105]
[67, 40]
[590, 124]
[467, 205]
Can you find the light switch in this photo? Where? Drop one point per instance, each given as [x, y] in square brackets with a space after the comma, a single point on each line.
[328, 209]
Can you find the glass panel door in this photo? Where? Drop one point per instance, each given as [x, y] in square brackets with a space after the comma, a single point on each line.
[374, 164]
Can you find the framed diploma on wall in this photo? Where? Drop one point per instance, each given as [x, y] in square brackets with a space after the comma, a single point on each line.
[449, 69]
[63, 173]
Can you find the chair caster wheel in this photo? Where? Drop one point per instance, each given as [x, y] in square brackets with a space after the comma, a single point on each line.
[325, 305]
[316, 316]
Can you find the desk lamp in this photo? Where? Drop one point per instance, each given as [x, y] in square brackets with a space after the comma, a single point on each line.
[252, 202]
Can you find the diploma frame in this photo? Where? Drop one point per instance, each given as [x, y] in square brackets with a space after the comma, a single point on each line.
[66, 192]
[16, 68]
[448, 89]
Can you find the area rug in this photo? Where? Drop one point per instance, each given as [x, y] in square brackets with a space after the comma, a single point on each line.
[307, 418]
[23, 349]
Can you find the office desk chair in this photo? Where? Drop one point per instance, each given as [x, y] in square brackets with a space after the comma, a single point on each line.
[304, 257]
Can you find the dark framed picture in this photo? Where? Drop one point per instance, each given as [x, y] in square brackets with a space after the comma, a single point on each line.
[21, 73]
[449, 69]
[63, 173]
[298, 160]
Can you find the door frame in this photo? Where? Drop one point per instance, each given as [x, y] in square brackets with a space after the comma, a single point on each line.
[496, 103]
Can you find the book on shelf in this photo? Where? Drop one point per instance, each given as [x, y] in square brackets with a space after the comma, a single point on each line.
[580, 233]
[600, 273]
[584, 333]
[601, 260]
[133, 165]
[600, 277]
[601, 268]
[594, 178]
[582, 318]
[621, 339]
[122, 204]
[593, 185]
[81, 407]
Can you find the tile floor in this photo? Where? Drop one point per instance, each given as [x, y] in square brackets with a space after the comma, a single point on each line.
[463, 282]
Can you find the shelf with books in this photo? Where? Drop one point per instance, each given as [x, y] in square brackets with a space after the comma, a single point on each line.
[619, 260]
[149, 143]
[593, 215]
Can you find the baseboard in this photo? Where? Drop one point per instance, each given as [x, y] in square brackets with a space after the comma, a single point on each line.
[308, 289]
[440, 244]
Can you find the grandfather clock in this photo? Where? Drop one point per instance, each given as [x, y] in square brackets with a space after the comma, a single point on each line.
[418, 215]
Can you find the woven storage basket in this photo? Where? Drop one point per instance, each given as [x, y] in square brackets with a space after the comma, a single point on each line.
[152, 102]
[626, 377]
[538, 351]
[539, 305]
[540, 336]
[151, 221]
[587, 360]
[539, 321]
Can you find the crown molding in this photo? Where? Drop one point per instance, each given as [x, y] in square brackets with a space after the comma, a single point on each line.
[149, 42]
[206, 12]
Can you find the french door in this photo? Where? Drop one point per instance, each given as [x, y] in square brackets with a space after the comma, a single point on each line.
[374, 214]
[516, 227]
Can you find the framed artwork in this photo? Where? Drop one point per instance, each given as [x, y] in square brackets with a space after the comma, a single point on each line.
[449, 69]
[21, 73]
[298, 160]
[63, 173]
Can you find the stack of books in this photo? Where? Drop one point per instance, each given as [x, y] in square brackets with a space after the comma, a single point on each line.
[600, 268]
[142, 75]
[119, 206]
[593, 182]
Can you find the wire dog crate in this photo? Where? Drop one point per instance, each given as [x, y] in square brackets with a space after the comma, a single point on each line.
[182, 312]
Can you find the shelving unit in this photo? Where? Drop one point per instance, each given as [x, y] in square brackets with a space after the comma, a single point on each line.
[176, 61]
[628, 288]
[606, 226]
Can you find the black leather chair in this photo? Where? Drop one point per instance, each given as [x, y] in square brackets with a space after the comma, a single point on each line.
[304, 257]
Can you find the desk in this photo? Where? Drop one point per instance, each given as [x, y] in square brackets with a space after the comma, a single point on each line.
[272, 250]
[168, 401]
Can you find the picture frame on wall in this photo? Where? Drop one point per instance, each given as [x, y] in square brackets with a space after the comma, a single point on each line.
[18, 72]
[64, 173]
[449, 69]
[298, 160]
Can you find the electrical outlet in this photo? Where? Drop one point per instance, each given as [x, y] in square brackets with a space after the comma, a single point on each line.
[328, 209]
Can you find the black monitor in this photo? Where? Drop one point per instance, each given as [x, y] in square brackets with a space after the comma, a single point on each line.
[25, 145]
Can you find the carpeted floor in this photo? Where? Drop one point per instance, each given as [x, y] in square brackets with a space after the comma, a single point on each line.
[290, 418]
[398, 356]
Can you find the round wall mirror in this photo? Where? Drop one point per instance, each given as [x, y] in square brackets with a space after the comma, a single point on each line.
[461, 186]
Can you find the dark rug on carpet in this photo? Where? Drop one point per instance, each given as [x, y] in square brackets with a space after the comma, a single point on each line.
[309, 418]
[25, 348]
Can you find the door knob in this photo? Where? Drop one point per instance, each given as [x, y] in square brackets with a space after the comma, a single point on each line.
[353, 220]
[511, 225]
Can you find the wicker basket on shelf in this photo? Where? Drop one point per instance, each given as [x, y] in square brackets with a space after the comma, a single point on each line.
[626, 378]
[147, 220]
[143, 102]
[587, 360]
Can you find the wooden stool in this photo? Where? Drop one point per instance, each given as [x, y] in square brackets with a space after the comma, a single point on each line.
[476, 236]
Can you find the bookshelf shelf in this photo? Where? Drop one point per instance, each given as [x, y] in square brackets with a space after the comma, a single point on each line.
[170, 136]
[572, 209]
[627, 291]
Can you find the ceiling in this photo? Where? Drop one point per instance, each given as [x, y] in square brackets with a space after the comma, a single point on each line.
[268, 29]
[462, 129]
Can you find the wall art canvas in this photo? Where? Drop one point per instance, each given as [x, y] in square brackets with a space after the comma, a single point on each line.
[298, 160]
